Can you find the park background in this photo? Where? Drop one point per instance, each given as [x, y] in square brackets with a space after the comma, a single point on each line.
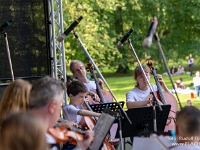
[106, 22]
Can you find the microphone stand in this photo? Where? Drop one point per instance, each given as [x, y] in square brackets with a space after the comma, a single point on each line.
[122, 111]
[155, 100]
[8, 53]
[156, 37]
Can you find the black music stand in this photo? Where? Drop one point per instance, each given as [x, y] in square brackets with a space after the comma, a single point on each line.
[142, 120]
[114, 106]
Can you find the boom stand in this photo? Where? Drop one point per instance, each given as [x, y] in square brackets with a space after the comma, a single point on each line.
[8, 53]
[116, 107]
[85, 50]
[155, 100]
[156, 37]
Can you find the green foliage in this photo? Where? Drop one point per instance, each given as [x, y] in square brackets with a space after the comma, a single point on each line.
[106, 22]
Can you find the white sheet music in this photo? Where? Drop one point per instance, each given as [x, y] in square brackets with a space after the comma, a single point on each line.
[153, 143]
[101, 129]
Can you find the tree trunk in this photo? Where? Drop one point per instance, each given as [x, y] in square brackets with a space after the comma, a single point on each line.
[123, 69]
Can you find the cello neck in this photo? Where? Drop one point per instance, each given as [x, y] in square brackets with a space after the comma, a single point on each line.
[89, 108]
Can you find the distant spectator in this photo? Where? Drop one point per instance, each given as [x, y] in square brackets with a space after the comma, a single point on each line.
[196, 81]
[179, 85]
[173, 70]
[190, 64]
[189, 103]
[180, 70]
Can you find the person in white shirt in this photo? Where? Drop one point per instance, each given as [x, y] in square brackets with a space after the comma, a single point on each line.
[180, 70]
[140, 94]
[79, 72]
[196, 81]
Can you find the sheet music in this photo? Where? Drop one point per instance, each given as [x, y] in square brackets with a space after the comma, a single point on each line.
[101, 129]
[153, 143]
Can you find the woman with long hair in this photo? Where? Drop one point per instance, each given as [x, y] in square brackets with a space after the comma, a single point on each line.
[15, 98]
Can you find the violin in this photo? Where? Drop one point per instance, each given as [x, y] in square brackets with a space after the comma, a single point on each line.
[165, 98]
[71, 135]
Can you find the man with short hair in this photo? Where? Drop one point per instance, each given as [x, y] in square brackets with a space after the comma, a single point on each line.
[46, 100]
[188, 129]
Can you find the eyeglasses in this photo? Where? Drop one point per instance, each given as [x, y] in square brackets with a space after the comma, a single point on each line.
[80, 68]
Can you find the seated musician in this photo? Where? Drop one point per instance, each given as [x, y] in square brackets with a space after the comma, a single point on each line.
[140, 94]
[77, 91]
[45, 101]
[79, 72]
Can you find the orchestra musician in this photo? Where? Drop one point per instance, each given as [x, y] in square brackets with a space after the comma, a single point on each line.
[46, 98]
[77, 91]
[187, 129]
[140, 95]
[79, 72]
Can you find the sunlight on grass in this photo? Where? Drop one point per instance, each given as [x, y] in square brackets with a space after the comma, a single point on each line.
[120, 85]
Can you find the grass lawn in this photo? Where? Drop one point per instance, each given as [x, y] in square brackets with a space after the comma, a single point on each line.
[121, 84]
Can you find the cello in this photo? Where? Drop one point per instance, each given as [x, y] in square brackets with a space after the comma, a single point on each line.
[89, 123]
[165, 98]
[104, 95]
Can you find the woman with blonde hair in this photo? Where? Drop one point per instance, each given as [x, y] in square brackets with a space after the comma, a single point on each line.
[22, 131]
[15, 98]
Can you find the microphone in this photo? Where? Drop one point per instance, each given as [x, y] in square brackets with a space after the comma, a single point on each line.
[71, 27]
[5, 25]
[148, 40]
[120, 43]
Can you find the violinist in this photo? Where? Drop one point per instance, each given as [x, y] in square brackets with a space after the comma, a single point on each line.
[45, 101]
[140, 94]
[77, 91]
[79, 72]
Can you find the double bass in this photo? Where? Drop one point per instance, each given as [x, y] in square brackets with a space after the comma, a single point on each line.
[165, 98]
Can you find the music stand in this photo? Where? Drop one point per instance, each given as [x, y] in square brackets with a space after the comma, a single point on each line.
[115, 107]
[101, 129]
[142, 120]
[112, 106]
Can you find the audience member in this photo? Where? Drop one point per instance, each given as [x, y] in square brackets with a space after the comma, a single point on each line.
[173, 70]
[187, 129]
[180, 70]
[196, 81]
[46, 98]
[15, 97]
[190, 64]
[22, 131]
[189, 103]
[179, 85]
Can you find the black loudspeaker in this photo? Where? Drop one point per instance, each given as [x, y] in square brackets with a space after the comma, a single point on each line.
[28, 38]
